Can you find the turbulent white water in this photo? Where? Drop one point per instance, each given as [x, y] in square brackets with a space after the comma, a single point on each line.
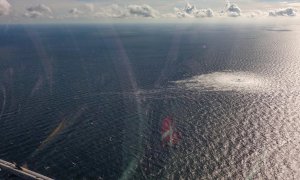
[226, 81]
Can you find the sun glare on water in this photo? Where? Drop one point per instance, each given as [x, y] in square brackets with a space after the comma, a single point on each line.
[226, 81]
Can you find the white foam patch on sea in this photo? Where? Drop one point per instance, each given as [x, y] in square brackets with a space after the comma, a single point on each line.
[226, 81]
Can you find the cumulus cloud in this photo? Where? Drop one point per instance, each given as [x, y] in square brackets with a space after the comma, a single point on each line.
[283, 12]
[233, 10]
[40, 10]
[33, 14]
[113, 11]
[75, 12]
[191, 11]
[116, 11]
[4, 7]
[84, 10]
[89, 7]
[142, 10]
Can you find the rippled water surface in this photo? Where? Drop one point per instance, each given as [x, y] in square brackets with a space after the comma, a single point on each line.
[87, 101]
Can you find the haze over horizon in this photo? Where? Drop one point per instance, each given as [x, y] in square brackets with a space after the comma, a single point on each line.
[13, 11]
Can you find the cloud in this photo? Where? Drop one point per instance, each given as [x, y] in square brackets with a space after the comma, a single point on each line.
[293, 4]
[75, 12]
[255, 13]
[143, 11]
[204, 13]
[89, 7]
[116, 11]
[113, 11]
[4, 7]
[283, 12]
[191, 11]
[85, 10]
[233, 10]
[40, 10]
[33, 14]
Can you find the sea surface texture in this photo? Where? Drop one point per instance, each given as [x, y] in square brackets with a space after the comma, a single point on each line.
[88, 101]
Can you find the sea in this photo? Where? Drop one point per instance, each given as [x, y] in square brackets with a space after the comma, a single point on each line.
[87, 101]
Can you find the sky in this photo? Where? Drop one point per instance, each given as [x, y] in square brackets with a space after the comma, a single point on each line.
[126, 10]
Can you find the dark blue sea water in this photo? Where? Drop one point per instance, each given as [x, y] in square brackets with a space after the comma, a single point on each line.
[87, 101]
